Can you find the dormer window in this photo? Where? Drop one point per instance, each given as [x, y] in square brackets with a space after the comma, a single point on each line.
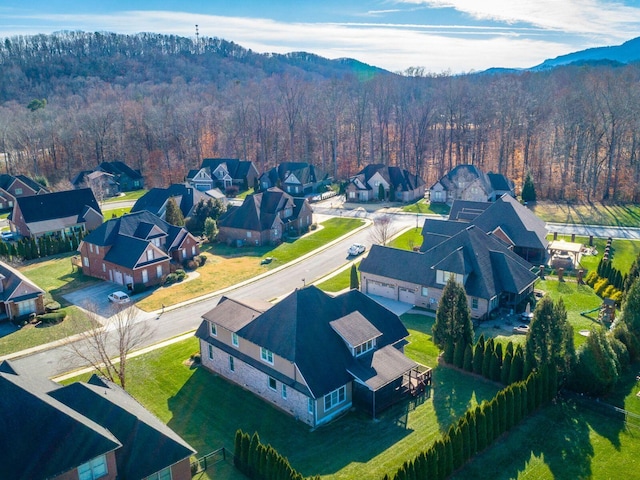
[364, 347]
[266, 355]
[149, 255]
[442, 277]
[287, 212]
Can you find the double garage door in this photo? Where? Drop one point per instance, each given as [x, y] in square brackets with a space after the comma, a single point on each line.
[387, 290]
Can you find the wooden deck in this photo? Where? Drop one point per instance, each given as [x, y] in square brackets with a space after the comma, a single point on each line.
[417, 380]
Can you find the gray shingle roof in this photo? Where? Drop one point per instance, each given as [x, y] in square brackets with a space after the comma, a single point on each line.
[47, 206]
[260, 211]
[120, 168]
[381, 367]
[298, 329]
[355, 329]
[15, 286]
[488, 265]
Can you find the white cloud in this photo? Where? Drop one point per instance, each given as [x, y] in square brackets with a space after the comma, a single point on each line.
[596, 17]
[394, 47]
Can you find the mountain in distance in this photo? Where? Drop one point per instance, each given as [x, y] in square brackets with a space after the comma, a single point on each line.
[628, 52]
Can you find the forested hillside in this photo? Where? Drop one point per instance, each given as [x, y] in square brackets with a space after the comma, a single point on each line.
[162, 103]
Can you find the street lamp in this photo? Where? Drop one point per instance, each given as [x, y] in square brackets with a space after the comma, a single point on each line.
[304, 283]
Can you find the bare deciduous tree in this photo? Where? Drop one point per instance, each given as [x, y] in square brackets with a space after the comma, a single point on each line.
[106, 347]
[382, 229]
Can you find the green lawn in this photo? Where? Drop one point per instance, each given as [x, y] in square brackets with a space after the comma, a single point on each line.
[624, 251]
[340, 281]
[56, 276]
[561, 441]
[115, 212]
[626, 215]
[128, 196]
[408, 240]
[206, 411]
[31, 336]
[423, 206]
[244, 194]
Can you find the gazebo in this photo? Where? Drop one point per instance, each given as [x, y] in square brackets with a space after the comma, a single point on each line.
[561, 250]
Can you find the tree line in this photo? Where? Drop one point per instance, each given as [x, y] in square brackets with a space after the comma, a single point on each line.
[162, 103]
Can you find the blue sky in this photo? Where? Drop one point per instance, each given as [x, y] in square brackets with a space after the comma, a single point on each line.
[451, 36]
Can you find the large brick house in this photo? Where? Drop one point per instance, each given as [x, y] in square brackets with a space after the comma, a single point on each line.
[138, 248]
[82, 431]
[19, 296]
[264, 218]
[58, 213]
[312, 355]
[492, 275]
[397, 184]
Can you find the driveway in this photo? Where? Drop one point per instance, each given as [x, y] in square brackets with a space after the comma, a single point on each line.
[395, 306]
[94, 298]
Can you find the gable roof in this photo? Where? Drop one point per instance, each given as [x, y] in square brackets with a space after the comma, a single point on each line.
[467, 210]
[487, 265]
[50, 206]
[47, 436]
[148, 445]
[130, 235]
[304, 172]
[298, 329]
[7, 180]
[500, 182]
[185, 196]
[398, 178]
[120, 168]
[16, 286]
[260, 211]
[450, 180]
[238, 169]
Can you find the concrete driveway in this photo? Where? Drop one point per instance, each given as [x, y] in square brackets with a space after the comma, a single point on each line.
[94, 298]
[396, 307]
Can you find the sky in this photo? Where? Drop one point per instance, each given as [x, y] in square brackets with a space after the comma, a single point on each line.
[441, 36]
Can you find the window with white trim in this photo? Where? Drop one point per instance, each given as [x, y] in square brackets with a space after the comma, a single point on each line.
[284, 391]
[85, 260]
[210, 352]
[234, 340]
[310, 405]
[159, 271]
[164, 474]
[145, 276]
[335, 398]
[232, 364]
[91, 247]
[18, 191]
[193, 250]
[425, 291]
[104, 267]
[213, 329]
[93, 469]
[149, 255]
[474, 303]
[273, 385]
[364, 347]
[266, 355]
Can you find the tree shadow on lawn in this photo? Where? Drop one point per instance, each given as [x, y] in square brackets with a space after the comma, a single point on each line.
[227, 251]
[454, 392]
[208, 410]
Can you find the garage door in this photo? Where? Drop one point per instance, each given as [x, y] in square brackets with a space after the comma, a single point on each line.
[407, 295]
[382, 289]
[117, 277]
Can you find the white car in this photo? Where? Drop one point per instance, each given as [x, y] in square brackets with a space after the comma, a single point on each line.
[356, 249]
[119, 297]
[521, 329]
[7, 235]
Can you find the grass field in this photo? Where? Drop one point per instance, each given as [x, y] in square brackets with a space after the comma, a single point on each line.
[340, 281]
[627, 215]
[128, 196]
[57, 276]
[115, 212]
[31, 336]
[240, 264]
[422, 206]
[408, 240]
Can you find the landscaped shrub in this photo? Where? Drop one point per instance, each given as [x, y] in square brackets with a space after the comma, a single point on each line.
[53, 318]
[51, 307]
[202, 259]
[181, 274]
[600, 286]
[190, 264]
[171, 278]
[591, 278]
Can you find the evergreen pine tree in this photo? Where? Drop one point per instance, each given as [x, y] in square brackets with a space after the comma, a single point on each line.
[448, 455]
[237, 449]
[487, 409]
[354, 282]
[517, 403]
[244, 452]
[486, 361]
[494, 367]
[458, 354]
[254, 454]
[432, 463]
[466, 440]
[173, 215]
[517, 366]
[478, 357]
[481, 430]
[510, 422]
[528, 189]
[453, 319]
[506, 367]
[467, 362]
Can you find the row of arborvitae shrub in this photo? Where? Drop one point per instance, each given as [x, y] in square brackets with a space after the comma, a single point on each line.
[607, 281]
[486, 358]
[261, 462]
[479, 427]
[29, 248]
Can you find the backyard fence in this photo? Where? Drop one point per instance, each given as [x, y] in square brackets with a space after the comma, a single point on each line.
[210, 460]
[630, 419]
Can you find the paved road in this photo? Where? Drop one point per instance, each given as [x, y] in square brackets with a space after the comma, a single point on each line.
[175, 322]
